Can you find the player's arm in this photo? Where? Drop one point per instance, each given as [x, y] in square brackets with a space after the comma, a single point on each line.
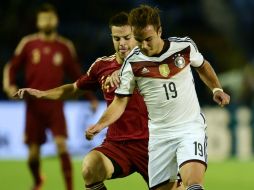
[71, 64]
[112, 113]
[64, 92]
[209, 77]
[117, 107]
[12, 68]
[8, 88]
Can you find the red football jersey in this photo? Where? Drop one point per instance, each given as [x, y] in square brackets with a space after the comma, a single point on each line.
[133, 124]
[45, 63]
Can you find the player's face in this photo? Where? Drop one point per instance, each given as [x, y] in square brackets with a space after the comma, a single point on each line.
[123, 40]
[148, 40]
[47, 21]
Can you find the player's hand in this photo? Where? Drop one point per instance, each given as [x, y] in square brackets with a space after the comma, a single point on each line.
[114, 79]
[11, 90]
[104, 86]
[92, 131]
[27, 93]
[111, 81]
[221, 98]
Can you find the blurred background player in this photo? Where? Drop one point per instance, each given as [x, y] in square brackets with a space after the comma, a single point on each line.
[124, 150]
[45, 58]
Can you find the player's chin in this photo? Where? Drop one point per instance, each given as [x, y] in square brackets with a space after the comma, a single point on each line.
[123, 54]
[48, 30]
[149, 53]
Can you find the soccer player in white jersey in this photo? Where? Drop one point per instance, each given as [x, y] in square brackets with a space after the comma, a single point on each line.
[161, 70]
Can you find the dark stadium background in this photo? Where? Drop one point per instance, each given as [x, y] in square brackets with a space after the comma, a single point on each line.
[222, 30]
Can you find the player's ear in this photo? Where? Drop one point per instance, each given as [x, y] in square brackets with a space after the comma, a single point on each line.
[159, 31]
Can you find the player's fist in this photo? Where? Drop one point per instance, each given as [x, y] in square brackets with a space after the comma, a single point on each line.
[92, 131]
[221, 98]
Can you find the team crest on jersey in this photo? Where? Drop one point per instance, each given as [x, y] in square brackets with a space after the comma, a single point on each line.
[164, 70]
[179, 62]
[57, 58]
[36, 56]
[46, 50]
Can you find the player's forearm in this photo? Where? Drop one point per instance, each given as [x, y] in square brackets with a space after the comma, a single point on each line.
[8, 87]
[63, 92]
[114, 111]
[208, 76]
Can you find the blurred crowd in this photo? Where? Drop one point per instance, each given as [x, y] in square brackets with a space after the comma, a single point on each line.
[223, 31]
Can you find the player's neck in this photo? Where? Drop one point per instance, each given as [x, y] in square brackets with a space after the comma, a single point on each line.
[119, 59]
[48, 36]
[161, 46]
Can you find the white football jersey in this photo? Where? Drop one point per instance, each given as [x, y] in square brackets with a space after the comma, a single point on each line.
[166, 82]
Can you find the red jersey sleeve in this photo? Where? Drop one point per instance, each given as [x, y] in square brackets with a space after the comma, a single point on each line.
[72, 67]
[17, 60]
[89, 81]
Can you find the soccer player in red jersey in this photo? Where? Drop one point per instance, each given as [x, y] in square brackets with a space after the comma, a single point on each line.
[124, 150]
[45, 57]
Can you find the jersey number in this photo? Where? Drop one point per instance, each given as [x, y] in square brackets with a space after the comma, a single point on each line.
[198, 149]
[171, 87]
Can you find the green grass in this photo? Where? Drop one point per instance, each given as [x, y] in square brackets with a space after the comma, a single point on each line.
[228, 175]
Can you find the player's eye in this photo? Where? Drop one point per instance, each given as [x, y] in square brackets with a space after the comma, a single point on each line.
[116, 38]
[149, 39]
[127, 37]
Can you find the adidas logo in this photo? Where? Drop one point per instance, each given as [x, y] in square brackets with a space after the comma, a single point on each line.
[144, 71]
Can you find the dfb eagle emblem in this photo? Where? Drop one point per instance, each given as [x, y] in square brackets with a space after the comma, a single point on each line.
[179, 62]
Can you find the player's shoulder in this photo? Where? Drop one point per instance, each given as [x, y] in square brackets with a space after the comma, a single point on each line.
[100, 62]
[182, 41]
[67, 43]
[64, 40]
[104, 59]
[29, 38]
[26, 40]
[134, 55]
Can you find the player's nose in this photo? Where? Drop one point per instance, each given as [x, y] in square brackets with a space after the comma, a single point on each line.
[122, 42]
[144, 45]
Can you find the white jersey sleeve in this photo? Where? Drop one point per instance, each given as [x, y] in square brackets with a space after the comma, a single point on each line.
[196, 58]
[127, 79]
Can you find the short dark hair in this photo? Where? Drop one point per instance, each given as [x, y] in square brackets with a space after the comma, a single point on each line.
[120, 19]
[145, 15]
[46, 7]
